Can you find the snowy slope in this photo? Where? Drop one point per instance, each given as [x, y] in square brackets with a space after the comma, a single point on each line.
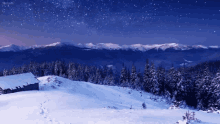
[11, 47]
[61, 101]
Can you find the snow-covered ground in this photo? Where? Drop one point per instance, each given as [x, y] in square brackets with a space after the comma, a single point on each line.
[61, 101]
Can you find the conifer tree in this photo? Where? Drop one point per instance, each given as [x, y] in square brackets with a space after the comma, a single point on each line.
[19, 70]
[133, 80]
[111, 78]
[86, 73]
[92, 74]
[44, 69]
[214, 90]
[56, 68]
[123, 77]
[62, 69]
[146, 77]
[173, 79]
[14, 71]
[180, 87]
[98, 77]
[5, 72]
[79, 73]
[161, 79]
[139, 84]
[24, 69]
[50, 68]
[203, 93]
[33, 68]
[153, 80]
[69, 71]
[128, 73]
[104, 72]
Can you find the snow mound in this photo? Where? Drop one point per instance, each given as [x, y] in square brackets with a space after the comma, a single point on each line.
[182, 122]
[109, 96]
[49, 82]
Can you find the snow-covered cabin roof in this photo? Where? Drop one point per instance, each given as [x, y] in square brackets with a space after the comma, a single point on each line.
[14, 81]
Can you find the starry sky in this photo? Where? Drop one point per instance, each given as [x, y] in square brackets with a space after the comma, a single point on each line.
[38, 22]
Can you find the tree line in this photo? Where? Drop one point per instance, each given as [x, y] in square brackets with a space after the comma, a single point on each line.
[197, 86]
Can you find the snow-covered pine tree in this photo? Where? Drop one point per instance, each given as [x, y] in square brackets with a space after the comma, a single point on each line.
[50, 68]
[214, 102]
[128, 77]
[73, 71]
[80, 73]
[203, 90]
[33, 68]
[56, 68]
[86, 73]
[19, 70]
[69, 71]
[123, 77]
[98, 76]
[104, 71]
[106, 79]
[139, 83]
[24, 68]
[172, 79]
[180, 92]
[41, 70]
[109, 79]
[62, 69]
[14, 71]
[45, 69]
[190, 90]
[133, 80]
[92, 74]
[161, 79]
[5, 72]
[146, 77]
[153, 80]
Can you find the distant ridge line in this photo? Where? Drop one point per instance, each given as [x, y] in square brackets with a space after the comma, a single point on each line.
[110, 46]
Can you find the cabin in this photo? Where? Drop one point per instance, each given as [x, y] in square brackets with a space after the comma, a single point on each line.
[17, 83]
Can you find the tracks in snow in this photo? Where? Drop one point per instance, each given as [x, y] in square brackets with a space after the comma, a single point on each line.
[44, 112]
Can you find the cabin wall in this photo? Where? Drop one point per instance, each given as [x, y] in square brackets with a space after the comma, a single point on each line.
[6, 91]
[24, 88]
[31, 87]
[1, 91]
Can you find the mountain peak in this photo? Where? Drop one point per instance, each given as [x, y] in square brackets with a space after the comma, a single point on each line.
[53, 44]
[11, 47]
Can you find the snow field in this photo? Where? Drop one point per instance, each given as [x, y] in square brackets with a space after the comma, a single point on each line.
[61, 101]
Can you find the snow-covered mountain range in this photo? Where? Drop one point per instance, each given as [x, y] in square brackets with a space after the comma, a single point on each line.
[167, 54]
[110, 46]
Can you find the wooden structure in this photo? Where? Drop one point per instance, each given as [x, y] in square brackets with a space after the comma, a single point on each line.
[17, 83]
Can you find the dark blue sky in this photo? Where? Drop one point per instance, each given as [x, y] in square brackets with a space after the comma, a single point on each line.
[31, 22]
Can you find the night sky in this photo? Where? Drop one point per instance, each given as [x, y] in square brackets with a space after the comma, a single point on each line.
[31, 22]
